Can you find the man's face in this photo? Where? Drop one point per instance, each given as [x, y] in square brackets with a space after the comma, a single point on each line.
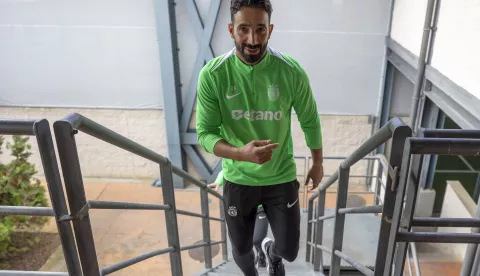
[250, 31]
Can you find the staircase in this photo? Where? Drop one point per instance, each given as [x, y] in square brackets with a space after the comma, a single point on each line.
[355, 235]
[359, 244]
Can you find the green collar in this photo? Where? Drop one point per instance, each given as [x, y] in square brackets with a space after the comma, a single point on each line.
[265, 62]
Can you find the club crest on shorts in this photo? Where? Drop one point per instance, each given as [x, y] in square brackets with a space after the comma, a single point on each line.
[273, 92]
[232, 211]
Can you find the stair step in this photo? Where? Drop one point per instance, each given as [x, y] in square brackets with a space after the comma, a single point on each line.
[231, 269]
[360, 243]
[360, 238]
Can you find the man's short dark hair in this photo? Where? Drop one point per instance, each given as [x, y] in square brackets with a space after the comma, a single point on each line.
[237, 5]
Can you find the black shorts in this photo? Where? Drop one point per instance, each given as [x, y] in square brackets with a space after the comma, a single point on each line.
[281, 205]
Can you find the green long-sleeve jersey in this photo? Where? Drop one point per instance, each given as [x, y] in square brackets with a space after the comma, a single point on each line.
[239, 103]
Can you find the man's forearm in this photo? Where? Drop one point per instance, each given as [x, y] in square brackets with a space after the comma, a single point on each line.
[317, 156]
[225, 150]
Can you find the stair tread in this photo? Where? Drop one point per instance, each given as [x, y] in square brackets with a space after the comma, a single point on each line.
[361, 245]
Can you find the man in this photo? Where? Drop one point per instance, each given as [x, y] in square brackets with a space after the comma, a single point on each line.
[244, 103]
[261, 225]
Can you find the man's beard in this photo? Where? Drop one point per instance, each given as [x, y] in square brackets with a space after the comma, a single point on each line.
[249, 58]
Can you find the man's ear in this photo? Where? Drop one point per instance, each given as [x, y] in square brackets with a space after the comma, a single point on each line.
[230, 30]
[270, 30]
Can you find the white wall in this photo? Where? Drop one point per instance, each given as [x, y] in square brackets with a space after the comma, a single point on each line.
[104, 53]
[79, 53]
[457, 43]
[402, 91]
[457, 40]
[407, 23]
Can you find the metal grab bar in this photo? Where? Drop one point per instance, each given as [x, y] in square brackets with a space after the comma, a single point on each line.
[121, 265]
[79, 122]
[31, 273]
[26, 211]
[395, 128]
[377, 139]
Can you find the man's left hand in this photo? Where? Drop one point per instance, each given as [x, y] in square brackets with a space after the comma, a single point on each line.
[315, 174]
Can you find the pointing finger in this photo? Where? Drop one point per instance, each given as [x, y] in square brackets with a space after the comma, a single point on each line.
[270, 147]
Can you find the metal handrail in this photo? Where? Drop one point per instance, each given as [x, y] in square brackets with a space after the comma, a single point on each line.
[377, 139]
[85, 261]
[306, 164]
[342, 175]
[65, 130]
[81, 123]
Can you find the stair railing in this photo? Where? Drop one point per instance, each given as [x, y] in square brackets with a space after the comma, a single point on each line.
[453, 142]
[41, 130]
[368, 177]
[65, 131]
[78, 245]
[399, 132]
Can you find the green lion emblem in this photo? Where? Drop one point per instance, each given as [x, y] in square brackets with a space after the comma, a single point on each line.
[273, 92]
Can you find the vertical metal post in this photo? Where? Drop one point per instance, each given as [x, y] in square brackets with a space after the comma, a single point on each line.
[339, 226]
[476, 192]
[400, 134]
[171, 218]
[223, 230]
[422, 61]
[429, 118]
[318, 260]
[305, 172]
[314, 234]
[434, 158]
[171, 86]
[398, 209]
[55, 189]
[471, 255]
[406, 216]
[378, 183]
[386, 100]
[469, 260]
[476, 263]
[72, 175]
[206, 228]
[368, 178]
[309, 231]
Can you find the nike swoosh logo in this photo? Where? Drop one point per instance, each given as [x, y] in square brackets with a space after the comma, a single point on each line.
[232, 96]
[261, 217]
[290, 205]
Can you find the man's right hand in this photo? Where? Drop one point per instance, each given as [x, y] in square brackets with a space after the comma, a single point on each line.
[258, 151]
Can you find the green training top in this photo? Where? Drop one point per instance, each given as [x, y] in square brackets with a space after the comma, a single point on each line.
[240, 103]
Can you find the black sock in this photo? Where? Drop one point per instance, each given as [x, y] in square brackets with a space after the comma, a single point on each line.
[271, 253]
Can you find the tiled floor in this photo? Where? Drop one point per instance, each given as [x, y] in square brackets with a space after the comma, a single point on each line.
[123, 234]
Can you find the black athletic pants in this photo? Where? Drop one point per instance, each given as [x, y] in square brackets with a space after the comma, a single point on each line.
[280, 203]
